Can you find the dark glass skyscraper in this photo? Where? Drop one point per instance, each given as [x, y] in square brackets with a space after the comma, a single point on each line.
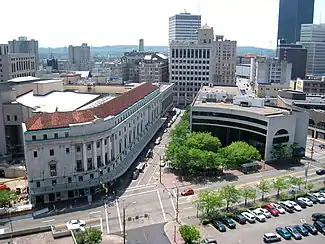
[292, 14]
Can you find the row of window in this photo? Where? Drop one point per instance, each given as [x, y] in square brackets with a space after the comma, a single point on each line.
[55, 136]
[190, 53]
[9, 118]
[178, 78]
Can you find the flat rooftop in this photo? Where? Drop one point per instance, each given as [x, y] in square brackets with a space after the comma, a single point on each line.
[234, 90]
[23, 79]
[56, 101]
[264, 111]
[47, 81]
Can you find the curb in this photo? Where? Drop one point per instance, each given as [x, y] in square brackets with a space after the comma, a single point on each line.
[166, 232]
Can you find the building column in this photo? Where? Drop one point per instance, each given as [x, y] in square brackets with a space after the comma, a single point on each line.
[95, 154]
[112, 146]
[103, 151]
[109, 148]
[84, 155]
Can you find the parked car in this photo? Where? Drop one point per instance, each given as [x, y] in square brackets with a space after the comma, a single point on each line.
[258, 215]
[272, 209]
[239, 218]
[321, 146]
[320, 171]
[312, 230]
[135, 174]
[271, 237]
[284, 233]
[287, 208]
[209, 241]
[319, 226]
[188, 192]
[219, 225]
[249, 217]
[301, 203]
[294, 233]
[307, 201]
[266, 213]
[278, 207]
[302, 230]
[229, 223]
[317, 216]
[312, 198]
[295, 205]
[318, 196]
[75, 224]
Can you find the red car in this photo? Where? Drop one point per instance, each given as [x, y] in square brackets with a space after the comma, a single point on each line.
[188, 192]
[272, 210]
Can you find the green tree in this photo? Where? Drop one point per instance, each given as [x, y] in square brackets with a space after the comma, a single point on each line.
[297, 181]
[248, 193]
[209, 200]
[230, 194]
[89, 236]
[309, 186]
[203, 141]
[237, 154]
[279, 184]
[284, 151]
[189, 233]
[6, 197]
[264, 187]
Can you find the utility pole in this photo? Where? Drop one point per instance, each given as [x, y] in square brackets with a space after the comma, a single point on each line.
[160, 169]
[11, 228]
[177, 204]
[312, 150]
[124, 235]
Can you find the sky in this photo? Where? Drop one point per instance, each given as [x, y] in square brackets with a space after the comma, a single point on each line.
[123, 22]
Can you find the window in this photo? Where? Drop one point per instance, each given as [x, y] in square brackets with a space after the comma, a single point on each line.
[69, 180]
[89, 163]
[91, 176]
[78, 149]
[53, 169]
[53, 182]
[67, 150]
[34, 138]
[51, 152]
[38, 184]
[45, 136]
[89, 146]
[81, 178]
[100, 172]
[8, 117]
[79, 166]
[35, 154]
[56, 136]
[66, 134]
[98, 144]
[15, 118]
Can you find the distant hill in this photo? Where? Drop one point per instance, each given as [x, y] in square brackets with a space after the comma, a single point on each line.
[119, 50]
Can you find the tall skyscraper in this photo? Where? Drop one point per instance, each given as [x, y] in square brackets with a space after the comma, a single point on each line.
[292, 14]
[79, 57]
[184, 26]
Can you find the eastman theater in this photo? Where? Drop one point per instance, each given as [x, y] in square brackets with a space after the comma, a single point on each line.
[246, 118]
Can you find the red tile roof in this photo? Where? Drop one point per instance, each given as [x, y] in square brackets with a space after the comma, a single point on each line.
[111, 107]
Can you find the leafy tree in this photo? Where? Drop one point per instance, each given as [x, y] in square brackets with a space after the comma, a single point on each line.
[280, 151]
[189, 233]
[248, 193]
[279, 184]
[237, 154]
[209, 200]
[230, 194]
[297, 181]
[90, 236]
[264, 187]
[6, 197]
[309, 186]
[203, 141]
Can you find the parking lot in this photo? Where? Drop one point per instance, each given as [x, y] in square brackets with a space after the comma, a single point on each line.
[253, 233]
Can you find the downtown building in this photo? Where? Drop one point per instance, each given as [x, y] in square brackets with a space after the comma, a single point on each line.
[72, 154]
[79, 57]
[193, 64]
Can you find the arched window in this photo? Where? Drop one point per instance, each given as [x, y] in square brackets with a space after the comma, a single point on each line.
[321, 125]
[281, 132]
[311, 123]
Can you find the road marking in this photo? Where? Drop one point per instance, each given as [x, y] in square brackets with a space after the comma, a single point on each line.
[172, 201]
[94, 212]
[106, 216]
[101, 225]
[134, 188]
[154, 172]
[161, 205]
[118, 214]
[48, 221]
[187, 208]
[137, 194]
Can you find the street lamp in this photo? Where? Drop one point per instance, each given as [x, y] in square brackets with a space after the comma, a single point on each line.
[124, 208]
[177, 201]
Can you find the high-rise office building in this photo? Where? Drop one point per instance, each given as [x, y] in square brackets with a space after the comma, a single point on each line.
[23, 45]
[292, 14]
[79, 57]
[141, 45]
[184, 26]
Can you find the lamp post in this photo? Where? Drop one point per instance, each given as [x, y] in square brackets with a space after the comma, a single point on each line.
[124, 208]
[312, 150]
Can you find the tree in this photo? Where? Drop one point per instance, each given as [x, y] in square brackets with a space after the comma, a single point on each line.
[189, 233]
[248, 193]
[6, 197]
[238, 153]
[309, 186]
[203, 141]
[297, 181]
[279, 184]
[89, 236]
[209, 200]
[264, 187]
[280, 151]
[230, 194]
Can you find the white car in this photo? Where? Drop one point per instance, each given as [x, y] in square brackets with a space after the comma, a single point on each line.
[157, 142]
[249, 217]
[295, 205]
[165, 130]
[319, 197]
[306, 200]
[76, 224]
[278, 207]
[258, 215]
[266, 213]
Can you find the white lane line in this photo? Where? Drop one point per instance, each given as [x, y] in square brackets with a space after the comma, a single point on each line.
[134, 188]
[101, 224]
[172, 201]
[94, 212]
[143, 174]
[48, 221]
[162, 207]
[187, 208]
[137, 194]
[106, 216]
[118, 214]
[153, 173]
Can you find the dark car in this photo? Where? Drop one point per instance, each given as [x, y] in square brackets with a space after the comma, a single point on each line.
[320, 171]
[284, 233]
[322, 220]
[239, 219]
[301, 203]
[229, 223]
[313, 199]
[286, 208]
[294, 233]
[321, 146]
[319, 226]
[317, 216]
[219, 225]
[135, 174]
[312, 230]
[302, 230]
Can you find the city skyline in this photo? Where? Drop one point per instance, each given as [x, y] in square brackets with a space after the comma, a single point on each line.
[251, 23]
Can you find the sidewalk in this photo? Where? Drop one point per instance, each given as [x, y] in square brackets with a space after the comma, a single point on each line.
[171, 230]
